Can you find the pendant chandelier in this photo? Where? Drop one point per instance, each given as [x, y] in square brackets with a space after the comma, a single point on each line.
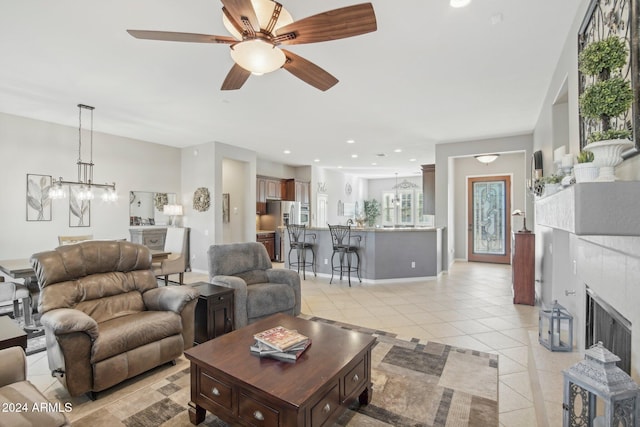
[396, 197]
[85, 171]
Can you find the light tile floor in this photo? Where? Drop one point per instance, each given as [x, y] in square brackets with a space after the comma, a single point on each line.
[470, 307]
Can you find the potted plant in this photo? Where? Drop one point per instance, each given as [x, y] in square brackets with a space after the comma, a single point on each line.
[551, 184]
[372, 211]
[585, 170]
[607, 98]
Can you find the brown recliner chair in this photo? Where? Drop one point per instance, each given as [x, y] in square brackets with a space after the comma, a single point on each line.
[105, 318]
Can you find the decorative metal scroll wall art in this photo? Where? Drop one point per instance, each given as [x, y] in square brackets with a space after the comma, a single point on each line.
[606, 18]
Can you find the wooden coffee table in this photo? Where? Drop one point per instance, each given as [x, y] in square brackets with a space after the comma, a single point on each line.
[243, 389]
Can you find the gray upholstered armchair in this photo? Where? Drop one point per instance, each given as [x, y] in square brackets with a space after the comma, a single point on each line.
[259, 289]
[104, 316]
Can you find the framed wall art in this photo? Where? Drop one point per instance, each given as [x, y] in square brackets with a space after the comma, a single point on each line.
[604, 19]
[79, 210]
[38, 201]
[225, 208]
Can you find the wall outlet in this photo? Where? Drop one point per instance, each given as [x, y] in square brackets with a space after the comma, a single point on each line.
[413, 264]
[326, 261]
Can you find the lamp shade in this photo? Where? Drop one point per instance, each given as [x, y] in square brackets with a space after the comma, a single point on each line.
[173, 209]
[487, 158]
[258, 56]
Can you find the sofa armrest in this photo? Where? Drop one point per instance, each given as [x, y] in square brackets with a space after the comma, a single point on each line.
[63, 321]
[288, 277]
[239, 286]
[169, 298]
[13, 366]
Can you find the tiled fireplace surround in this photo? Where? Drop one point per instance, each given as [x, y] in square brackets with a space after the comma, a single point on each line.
[589, 235]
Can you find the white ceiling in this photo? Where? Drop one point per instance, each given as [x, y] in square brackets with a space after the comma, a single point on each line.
[430, 74]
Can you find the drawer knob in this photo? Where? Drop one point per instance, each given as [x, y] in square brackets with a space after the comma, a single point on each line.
[356, 378]
[326, 408]
[258, 416]
[215, 391]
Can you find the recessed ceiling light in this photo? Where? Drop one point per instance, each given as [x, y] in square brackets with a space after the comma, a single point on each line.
[412, 160]
[316, 160]
[354, 156]
[374, 164]
[398, 150]
[287, 151]
[339, 167]
[350, 141]
[459, 3]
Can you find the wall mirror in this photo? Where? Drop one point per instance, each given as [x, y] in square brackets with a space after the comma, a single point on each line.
[146, 207]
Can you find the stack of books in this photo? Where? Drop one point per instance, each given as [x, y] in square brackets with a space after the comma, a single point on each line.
[280, 343]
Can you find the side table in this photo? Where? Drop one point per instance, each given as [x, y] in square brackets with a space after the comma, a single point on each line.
[214, 312]
[11, 334]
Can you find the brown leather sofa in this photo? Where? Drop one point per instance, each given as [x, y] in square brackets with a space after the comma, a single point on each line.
[105, 318]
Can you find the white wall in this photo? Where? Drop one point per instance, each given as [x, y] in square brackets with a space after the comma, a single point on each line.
[34, 147]
[234, 183]
[335, 184]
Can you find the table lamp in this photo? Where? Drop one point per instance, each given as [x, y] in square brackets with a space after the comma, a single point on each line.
[518, 212]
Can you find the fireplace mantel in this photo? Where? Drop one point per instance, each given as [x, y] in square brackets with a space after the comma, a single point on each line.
[593, 208]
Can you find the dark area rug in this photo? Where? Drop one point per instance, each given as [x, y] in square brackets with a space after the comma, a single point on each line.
[414, 384]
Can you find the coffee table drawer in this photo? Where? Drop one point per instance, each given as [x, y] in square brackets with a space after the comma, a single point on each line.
[355, 378]
[215, 391]
[328, 405]
[257, 413]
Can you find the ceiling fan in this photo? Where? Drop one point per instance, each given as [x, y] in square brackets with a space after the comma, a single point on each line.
[259, 27]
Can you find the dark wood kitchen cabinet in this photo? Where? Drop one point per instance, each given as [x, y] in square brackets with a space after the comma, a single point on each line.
[269, 241]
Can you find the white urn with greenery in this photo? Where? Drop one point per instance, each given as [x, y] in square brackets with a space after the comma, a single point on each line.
[608, 97]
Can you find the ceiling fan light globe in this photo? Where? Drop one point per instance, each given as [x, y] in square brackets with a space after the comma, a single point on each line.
[258, 56]
[264, 11]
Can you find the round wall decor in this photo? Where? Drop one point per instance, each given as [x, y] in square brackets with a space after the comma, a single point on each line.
[201, 199]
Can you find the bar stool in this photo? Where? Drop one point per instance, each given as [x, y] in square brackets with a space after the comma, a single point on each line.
[342, 245]
[298, 241]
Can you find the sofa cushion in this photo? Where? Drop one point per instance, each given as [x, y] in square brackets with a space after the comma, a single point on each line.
[128, 332]
[34, 409]
[269, 298]
[108, 308]
[253, 276]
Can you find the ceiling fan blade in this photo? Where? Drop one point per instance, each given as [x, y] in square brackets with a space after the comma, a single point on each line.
[243, 8]
[236, 78]
[308, 72]
[331, 25]
[237, 25]
[180, 37]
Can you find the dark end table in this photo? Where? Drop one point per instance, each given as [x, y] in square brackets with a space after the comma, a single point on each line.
[214, 312]
[11, 334]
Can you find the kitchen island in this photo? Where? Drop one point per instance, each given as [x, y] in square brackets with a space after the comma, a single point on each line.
[385, 253]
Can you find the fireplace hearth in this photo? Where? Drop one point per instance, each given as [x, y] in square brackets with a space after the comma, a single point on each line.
[605, 324]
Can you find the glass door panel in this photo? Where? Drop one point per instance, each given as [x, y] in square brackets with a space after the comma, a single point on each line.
[489, 204]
